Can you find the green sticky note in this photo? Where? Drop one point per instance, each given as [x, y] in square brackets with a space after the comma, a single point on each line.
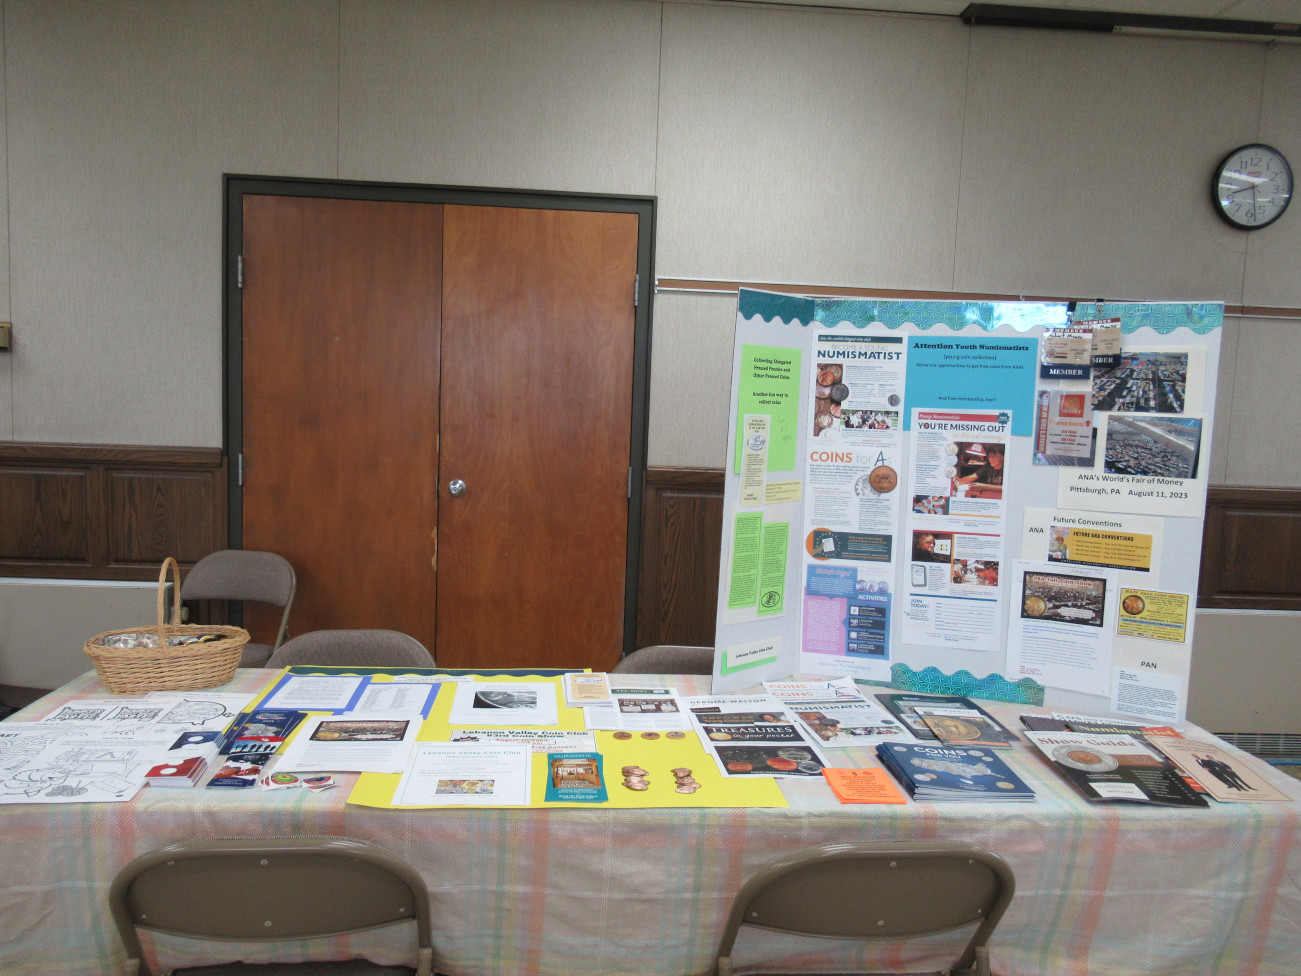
[772, 569]
[747, 544]
[769, 385]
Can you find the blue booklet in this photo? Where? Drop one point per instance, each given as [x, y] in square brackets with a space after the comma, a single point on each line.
[937, 772]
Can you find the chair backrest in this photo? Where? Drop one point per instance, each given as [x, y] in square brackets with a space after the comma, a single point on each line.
[876, 891]
[668, 659]
[244, 574]
[353, 648]
[267, 890]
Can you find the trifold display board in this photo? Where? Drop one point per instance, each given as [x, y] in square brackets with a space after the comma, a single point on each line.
[997, 499]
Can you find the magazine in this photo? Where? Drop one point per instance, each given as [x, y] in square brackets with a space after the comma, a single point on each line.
[848, 721]
[754, 737]
[903, 705]
[937, 772]
[1225, 777]
[965, 727]
[1115, 768]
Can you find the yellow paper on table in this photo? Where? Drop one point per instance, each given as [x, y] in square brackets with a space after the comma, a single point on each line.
[863, 786]
[659, 756]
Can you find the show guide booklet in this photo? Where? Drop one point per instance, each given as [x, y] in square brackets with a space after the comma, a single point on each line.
[1115, 769]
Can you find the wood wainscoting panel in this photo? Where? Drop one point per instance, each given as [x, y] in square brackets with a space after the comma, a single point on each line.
[45, 515]
[89, 511]
[152, 512]
[1251, 550]
[682, 528]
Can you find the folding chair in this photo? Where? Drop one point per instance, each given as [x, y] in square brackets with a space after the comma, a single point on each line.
[266, 891]
[876, 892]
[668, 659]
[353, 648]
[245, 574]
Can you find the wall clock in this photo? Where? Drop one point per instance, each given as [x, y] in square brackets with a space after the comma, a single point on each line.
[1252, 186]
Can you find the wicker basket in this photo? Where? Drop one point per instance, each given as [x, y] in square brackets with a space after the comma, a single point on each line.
[185, 667]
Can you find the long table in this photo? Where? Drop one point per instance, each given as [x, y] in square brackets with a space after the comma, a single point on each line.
[1101, 890]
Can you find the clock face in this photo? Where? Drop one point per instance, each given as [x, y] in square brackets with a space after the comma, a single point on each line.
[1252, 186]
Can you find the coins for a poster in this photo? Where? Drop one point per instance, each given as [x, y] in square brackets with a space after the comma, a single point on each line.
[675, 735]
[623, 735]
[639, 785]
[685, 789]
[634, 771]
[650, 735]
[681, 771]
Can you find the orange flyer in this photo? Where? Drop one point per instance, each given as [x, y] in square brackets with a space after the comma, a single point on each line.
[863, 786]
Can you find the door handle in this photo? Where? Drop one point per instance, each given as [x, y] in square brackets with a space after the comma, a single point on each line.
[456, 487]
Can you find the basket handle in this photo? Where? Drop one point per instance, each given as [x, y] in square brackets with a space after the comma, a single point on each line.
[176, 597]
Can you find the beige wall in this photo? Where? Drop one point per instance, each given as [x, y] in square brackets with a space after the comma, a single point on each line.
[800, 145]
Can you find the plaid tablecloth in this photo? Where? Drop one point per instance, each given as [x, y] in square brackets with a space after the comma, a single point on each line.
[1101, 890]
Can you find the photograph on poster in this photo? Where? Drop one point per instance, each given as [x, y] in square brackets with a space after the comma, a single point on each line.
[980, 466]
[870, 419]
[1063, 598]
[975, 572]
[1144, 382]
[931, 504]
[1160, 447]
[1064, 431]
[932, 547]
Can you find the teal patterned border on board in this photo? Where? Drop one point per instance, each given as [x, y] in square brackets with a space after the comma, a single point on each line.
[1161, 317]
[993, 687]
[896, 313]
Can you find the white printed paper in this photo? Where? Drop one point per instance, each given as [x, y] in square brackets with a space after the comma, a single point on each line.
[449, 774]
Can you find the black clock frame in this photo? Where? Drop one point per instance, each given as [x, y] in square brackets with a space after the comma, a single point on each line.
[1219, 171]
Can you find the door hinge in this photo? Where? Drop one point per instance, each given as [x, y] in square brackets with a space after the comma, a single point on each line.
[239, 470]
[239, 271]
[636, 290]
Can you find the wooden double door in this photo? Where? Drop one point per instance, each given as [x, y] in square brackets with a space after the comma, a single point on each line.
[436, 420]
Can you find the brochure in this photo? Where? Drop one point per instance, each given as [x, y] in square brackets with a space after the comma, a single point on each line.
[586, 688]
[863, 786]
[639, 709]
[797, 691]
[260, 732]
[937, 772]
[575, 777]
[1115, 768]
